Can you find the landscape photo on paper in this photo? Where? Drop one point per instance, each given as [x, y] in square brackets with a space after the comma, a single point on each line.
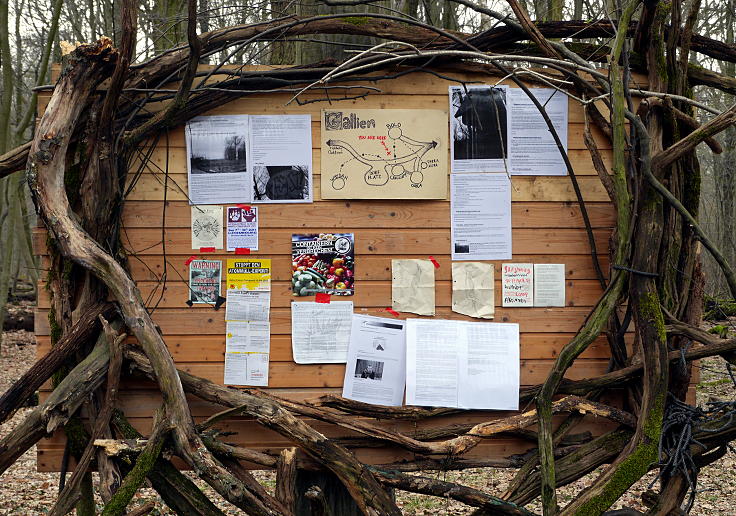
[478, 128]
[204, 281]
[217, 159]
[242, 228]
[384, 154]
[323, 263]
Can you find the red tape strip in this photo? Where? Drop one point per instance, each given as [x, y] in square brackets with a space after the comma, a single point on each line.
[244, 206]
[321, 297]
[206, 249]
[242, 250]
[190, 260]
[392, 312]
[434, 262]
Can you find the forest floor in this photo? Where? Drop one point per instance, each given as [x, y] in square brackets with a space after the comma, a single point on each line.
[24, 491]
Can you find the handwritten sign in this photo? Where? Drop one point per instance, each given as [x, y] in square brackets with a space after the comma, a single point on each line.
[517, 282]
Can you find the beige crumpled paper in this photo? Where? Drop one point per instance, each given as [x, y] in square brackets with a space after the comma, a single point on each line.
[472, 289]
[412, 286]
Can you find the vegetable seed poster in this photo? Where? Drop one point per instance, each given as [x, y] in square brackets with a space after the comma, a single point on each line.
[323, 263]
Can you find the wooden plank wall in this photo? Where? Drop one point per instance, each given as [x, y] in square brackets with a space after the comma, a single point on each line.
[547, 228]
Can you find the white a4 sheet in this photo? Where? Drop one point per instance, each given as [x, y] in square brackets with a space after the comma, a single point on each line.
[469, 365]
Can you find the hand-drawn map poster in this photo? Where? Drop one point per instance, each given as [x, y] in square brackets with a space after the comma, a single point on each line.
[384, 154]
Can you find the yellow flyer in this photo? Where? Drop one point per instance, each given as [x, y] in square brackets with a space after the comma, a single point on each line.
[249, 274]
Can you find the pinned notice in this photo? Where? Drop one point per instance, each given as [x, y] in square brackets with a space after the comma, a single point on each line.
[517, 284]
[549, 284]
[206, 227]
[242, 229]
[472, 289]
[412, 286]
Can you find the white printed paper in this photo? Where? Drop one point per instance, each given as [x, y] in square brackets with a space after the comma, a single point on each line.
[412, 286]
[242, 228]
[480, 215]
[472, 289]
[376, 367]
[206, 226]
[320, 332]
[517, 284]
[217, 163]
[532, 148]
[478, 128]
[247, 348]
[281, 158]
[247, 305]
[549, 284]
[469, 365]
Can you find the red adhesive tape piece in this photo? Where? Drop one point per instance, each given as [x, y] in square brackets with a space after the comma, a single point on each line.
[321, 297]
[392, 312]
[434, 262]
[244, 206]
[242, 250]
[190, 260]
[206, 249]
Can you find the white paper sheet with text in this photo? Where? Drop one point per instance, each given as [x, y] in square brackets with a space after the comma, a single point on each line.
[217, 163]
[532, 149]
[412, 286]
[247, 305]
[320, 332]
[549, 284]
[462, 364]
[281, 158]
[472, 289]
[517, 284]
[376, 368]
[247, 348]
[480, 216]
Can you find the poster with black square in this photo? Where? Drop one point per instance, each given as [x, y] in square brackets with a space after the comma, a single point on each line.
[204, 281]
[479, 128]
[217, 163]
[323, 263]
[242, 228]
[281, 158]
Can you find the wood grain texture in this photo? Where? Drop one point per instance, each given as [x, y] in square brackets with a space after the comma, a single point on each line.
[547, 228]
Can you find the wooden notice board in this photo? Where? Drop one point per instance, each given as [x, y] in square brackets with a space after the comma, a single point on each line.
[547, 228]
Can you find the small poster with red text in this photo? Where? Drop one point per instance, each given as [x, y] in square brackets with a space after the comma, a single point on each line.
[517, 284]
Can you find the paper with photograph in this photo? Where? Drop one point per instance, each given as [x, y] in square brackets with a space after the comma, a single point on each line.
[549, 284]
[461, 364]
[517, 284]
[472, 289]
[376, 366]
[206, 226]
[480, 217]
[217, 164]
[320, 332]
[412, 286]
[532, 148]
[281, 158]
[478, 128]
[384, 153]
[242, 228]
[247, 349]
[204, 281]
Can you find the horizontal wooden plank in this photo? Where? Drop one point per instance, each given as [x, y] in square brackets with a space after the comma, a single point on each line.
[367, 293]
[150, 187]
[394, 242]
[211, 348]
[372, 267]
[173, 158]
[375, 214]
[192, 321]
